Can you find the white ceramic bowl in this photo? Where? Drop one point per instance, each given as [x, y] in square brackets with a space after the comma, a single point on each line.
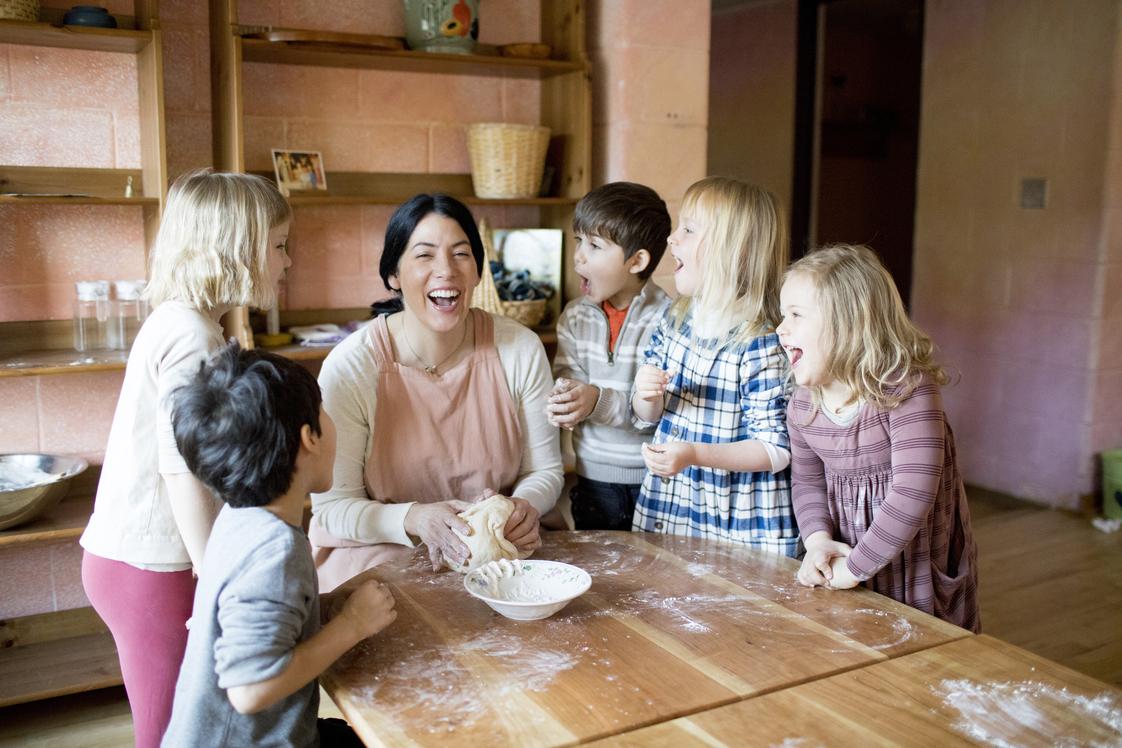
[534, 590]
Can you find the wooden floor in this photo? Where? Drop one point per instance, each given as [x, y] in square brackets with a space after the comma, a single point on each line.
[1050, 583]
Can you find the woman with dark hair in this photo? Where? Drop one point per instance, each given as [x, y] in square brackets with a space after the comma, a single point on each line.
[436, 406]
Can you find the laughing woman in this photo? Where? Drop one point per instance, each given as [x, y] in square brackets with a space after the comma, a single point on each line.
[435, 405]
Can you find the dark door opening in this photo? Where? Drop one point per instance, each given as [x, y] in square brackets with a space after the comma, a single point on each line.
[857, 128]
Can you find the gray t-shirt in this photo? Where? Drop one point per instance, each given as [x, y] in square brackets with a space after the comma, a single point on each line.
[257, 598]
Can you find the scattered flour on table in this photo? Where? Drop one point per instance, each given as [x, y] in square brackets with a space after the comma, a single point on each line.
[1015, 713]
[902, 628]
[13, 477]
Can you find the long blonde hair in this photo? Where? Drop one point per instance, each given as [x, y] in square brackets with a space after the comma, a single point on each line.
[212, 246]
[871, 345]
[742, 254]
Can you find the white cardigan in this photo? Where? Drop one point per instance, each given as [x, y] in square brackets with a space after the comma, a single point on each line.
[349, 380]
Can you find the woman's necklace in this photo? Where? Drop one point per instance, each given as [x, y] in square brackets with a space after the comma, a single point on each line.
[431, 368]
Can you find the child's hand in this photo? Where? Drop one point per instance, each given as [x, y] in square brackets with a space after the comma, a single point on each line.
[841, 577]
[571, 402]
[369, 608]
[668, 459]
[651, 383]
[820, 552]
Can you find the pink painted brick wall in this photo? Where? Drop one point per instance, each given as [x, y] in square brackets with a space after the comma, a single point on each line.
[1015, 297]
[650, 103]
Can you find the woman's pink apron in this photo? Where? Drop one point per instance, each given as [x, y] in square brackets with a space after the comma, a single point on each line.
[437, 437]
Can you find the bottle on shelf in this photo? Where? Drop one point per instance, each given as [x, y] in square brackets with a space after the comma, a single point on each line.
[91, 315]
[129, 311]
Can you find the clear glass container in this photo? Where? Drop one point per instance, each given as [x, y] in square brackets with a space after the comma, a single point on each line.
[128, 313]
[91, 315]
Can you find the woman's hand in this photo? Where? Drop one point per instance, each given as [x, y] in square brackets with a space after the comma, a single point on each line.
[668, 459]
[571, 402]
[433, 524]
[821, 552]
[522, 528]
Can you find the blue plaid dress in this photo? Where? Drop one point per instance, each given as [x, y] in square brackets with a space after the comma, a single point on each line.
[719, 395]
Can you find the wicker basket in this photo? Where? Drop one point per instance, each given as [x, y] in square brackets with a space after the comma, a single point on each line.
[19, 10]
[507, 161]
[486, 296]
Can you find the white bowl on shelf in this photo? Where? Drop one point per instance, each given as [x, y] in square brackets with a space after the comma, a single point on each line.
[527, 590]
[32, 485]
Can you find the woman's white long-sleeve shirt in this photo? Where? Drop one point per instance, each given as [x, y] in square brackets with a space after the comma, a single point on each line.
[349, 381]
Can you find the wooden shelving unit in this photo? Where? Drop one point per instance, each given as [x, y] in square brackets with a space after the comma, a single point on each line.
[565, 109]
[54, 654]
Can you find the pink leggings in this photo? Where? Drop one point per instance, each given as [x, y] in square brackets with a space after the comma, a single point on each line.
[146, 611]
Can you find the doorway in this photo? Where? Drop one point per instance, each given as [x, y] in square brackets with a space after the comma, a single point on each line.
[858, 77]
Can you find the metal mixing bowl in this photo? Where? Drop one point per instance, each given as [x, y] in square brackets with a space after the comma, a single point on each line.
[19, 505]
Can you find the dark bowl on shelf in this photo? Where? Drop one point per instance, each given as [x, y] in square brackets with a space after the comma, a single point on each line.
[23, 503]
[89, 15]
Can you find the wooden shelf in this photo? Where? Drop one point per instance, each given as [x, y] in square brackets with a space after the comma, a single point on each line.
[66, 521]
[314, 200]
[59, 667]
[319, 352]
[283, 53]
[36, 363]
[126, 41]
[76, 200]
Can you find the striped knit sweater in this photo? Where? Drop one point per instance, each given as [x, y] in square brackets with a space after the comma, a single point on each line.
[607, 443]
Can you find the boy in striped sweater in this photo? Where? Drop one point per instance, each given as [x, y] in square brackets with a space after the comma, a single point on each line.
[621, 231]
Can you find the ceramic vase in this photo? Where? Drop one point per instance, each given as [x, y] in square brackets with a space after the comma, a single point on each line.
[442, 25]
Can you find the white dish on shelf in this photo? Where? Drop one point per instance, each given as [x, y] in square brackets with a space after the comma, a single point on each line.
[527, 590]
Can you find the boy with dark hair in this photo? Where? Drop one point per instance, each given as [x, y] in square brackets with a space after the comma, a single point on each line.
[250, 425]
[621, 231]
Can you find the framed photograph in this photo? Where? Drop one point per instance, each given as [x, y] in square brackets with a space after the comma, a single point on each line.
[536, 250]
[299, 171]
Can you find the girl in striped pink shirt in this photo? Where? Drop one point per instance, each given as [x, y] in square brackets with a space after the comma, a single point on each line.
[875, 483]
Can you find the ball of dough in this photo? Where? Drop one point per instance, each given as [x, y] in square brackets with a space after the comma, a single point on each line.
[487, 542]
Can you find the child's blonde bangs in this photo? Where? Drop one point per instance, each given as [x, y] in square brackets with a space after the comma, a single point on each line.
[744, 249]
[212, 246]
[873, 347]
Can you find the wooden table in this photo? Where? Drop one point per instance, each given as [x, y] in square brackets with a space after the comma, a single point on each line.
[671, 626]
[974, 691]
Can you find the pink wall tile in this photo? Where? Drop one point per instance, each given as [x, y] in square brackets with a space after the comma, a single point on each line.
[659, 86]
[184, 11]
[325, 242]
[667, 23]
[363, 147]
[666, 158]
[448, 153]
[66, 576]
[1112, 298]
[40, 136]
[1041, 338]
[1106, 405]
[126, 137]
[19, 414]
[391, 97]
[354, 16]
[25, 584]
[521, 101]
[36, 301]
[1046, 285]
[262, 135]
[1106, 435]
[259, 12]
[72, 78]
[374, 221]
[70, 243]
[1035, 387]
[5, 77]
[509, 21]
[189, 143]
[179, 54]
[335, 293]
[76, 411]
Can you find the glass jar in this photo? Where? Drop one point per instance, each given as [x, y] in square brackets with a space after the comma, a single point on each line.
[129, 312]
[91, 315]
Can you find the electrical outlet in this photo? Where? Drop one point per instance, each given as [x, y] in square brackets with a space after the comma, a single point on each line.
[1034, 193]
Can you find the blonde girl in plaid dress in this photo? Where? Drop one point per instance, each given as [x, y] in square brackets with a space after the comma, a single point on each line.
[715, 378]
